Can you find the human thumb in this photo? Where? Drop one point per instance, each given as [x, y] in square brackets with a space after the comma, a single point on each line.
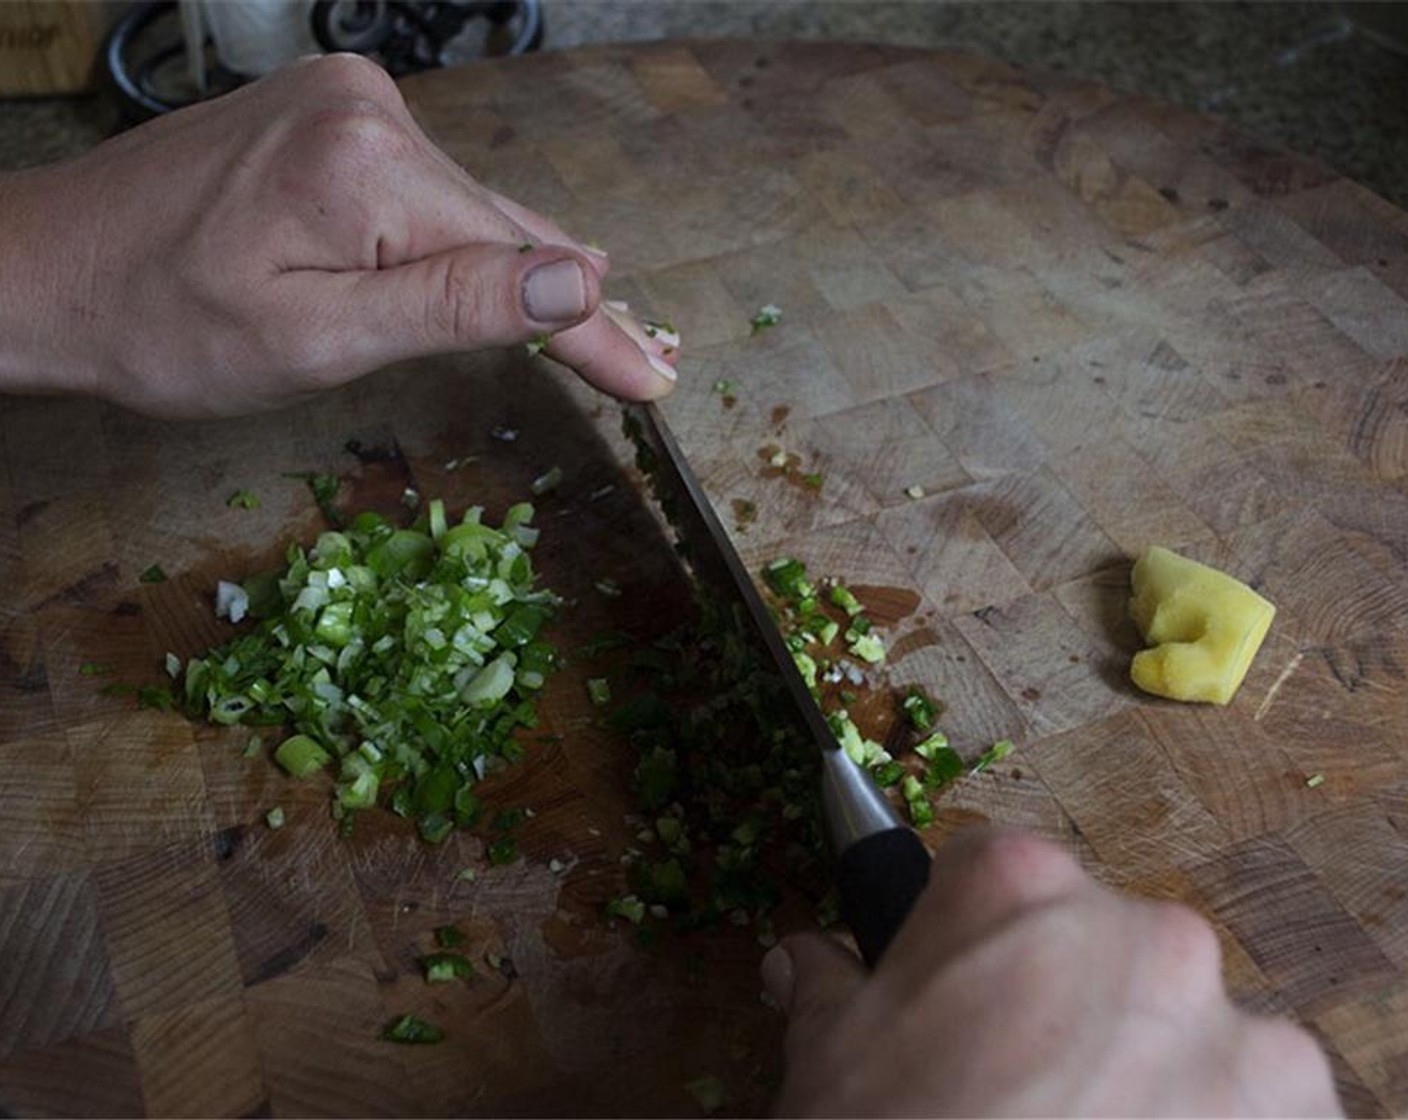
[471, 298]
[812, 978]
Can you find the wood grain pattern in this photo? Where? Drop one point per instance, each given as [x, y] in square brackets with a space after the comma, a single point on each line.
[1081, 322]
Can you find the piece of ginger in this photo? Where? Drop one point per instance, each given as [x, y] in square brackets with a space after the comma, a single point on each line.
[1204, 626]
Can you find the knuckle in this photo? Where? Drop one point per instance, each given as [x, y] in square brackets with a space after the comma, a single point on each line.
[1185, 942]
[352, 75]
[466, 302]
[359, 130]
[1018, 869]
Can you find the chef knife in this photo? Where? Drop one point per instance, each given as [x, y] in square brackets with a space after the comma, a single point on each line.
[881, 865]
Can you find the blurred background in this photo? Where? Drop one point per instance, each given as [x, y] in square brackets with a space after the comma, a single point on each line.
[1326, 79]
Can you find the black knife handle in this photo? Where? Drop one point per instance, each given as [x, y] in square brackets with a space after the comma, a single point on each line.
[879, 878]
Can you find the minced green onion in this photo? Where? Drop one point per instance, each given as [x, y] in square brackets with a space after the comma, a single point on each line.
[725, 388]
[921, 812]
[599, 689]
[709, 1093]
[788, 577]
[546, 482]
[769, 315]
[409, 1029]
[502, 851]
[442, 968]
[608, 587]
[324, 488]
[920, 709]
[843, 597]
[943, 766]
[447, 937]
[538, 344]
[868, 647]
[887, 774]
[629, 907]
[403, 660]
[274, 818]
[1315, 781]
[813, 480]
[994, 754]
[301, 756]
[243, 499]
[154, 574]
[94, 669]
[915, 492]
[156, 698]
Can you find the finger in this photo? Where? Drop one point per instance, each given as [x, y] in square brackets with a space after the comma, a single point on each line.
[824, 978]
[545, 230]
[616, 357]
[981, 879]
[470, 298]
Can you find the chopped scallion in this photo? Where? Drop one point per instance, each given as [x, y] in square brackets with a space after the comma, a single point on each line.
[546, 482]
[994, 754]
[410, 1030]
[448, 937]
[769, 315]
[301, 756]
[442, 968]
[920, 709]
[709, 1093]
[502, 851]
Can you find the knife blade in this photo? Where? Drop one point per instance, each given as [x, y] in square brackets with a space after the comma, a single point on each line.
[881, 865]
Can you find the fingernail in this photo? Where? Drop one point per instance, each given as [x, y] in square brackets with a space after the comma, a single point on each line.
[555, 293]
[777, 976]
[662, 367]
[662, 334]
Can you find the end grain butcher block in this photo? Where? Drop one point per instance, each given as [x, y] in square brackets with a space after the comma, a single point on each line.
[1079, 322]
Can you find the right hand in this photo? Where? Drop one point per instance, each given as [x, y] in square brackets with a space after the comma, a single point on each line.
[1019, 986]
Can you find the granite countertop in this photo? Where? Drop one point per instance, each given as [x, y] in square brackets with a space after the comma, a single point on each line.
[1307, 76]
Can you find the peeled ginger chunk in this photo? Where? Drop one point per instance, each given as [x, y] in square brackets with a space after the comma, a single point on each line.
[1204, 626]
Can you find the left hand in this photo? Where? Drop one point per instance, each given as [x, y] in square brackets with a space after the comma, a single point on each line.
[290, 236]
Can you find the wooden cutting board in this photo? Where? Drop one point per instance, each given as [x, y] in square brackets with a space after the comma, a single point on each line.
[1081, 322]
